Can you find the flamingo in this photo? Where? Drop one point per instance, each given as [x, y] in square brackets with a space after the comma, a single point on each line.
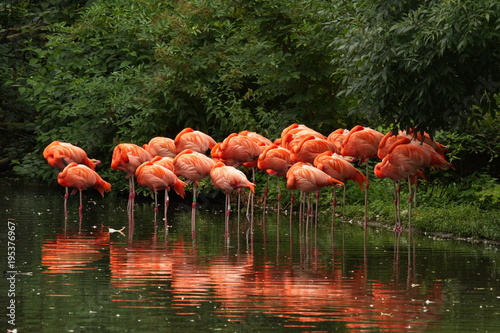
[294, 133]
[158, 177]
[275, 161]
[362, 142]
[309, 147]
[243, 149]
[128, 157]
[308, 179]
[160, 146]
[339, 168]
[59, 154]
[228, 178]
[194, 140]
[386, 169]
[81, 177]
[193, 166]
[404, 159]
[337, 137]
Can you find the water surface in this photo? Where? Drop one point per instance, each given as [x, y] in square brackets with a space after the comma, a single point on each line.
[77, 276]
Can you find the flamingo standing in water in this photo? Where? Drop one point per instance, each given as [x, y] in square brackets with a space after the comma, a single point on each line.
[362, 143]
[339, 168]
[309, 179]
[228, 178]
[275, 161]
[157, 177]
[82, 177]
[194, 167]
[242, 149]
[405, 159]
[59, 154]
[128, 157]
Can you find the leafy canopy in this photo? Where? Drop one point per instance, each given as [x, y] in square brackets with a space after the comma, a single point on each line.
[429, 64]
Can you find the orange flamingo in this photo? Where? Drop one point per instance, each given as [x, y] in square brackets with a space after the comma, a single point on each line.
[244, 149]
[405, 158]
[337, 137]
[240, 148]
[309, 147]
[167, 162]
[128, 157]
[294, 133]
[59, 154]
[309, 179]
[194, 140]
[338, 167]
[386, 169]
[82, 177]
[228, 178]
[275, 161]
[158, 177]
[362, 143]
[160, 146]
[193, 166]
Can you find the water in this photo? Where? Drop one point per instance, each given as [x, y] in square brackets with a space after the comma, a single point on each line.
[76, 276]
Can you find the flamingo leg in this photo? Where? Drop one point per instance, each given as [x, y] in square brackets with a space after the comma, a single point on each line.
[66, 195]
[155, 209]
[334, 205]
[398, 209]
[228, 211]
[264, 203]
[167, 201]
[193, 212]
[292, 199]
[156, 201]
[80, 208]
[316, 209]
[279, 206]
[239, 208]
[343, 202]
[410, 201]
[366, 197]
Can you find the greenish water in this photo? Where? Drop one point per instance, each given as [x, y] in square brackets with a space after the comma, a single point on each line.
[76, 276]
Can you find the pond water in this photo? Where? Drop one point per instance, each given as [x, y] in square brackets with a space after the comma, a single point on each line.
[74, 275]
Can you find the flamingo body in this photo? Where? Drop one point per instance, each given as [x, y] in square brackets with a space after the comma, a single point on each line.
[128, 157]
[310, 147]
[194, 140]
[361, 142]
[59, 154]
[229, 178]
[160, 146]
[336, 166]
[275, 160]
[307, 178]
[240, 148]
[82, 177]
[157, 177]
[192, 165]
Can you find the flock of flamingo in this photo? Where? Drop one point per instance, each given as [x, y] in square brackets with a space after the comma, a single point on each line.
[306, 158]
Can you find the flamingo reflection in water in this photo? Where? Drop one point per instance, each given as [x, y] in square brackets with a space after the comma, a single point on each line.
[243, 285]
[73, 252]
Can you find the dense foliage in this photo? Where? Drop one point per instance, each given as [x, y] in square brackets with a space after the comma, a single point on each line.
[101, 72]
[429, 64]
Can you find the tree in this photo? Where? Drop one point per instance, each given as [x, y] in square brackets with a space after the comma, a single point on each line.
[125, 72]
[430, 64]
